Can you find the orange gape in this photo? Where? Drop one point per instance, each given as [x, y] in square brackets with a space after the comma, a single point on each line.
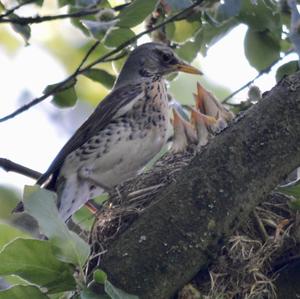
[207, 118]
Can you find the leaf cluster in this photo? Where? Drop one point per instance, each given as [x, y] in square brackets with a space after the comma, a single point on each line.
[193, 32]
[52, 266]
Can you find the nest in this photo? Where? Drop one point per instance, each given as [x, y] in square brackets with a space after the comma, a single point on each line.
[246, 267]
[250, 263]
[130, 199]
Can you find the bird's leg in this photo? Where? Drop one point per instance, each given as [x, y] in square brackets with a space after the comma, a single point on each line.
[91, 207]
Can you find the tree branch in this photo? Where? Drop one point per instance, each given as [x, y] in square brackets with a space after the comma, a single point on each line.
[9, 165]
[97, 61]
[88, 53]
[13, 9]
[181, 232]
[40, 19]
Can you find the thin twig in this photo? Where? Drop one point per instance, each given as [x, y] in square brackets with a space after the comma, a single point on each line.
[97, 61]
[89, 52]
[9, 165]
[59, 87]
[116, 57]
[13, 9]
[262, 72]
[261, 227]
[135, 38]
[39, 19]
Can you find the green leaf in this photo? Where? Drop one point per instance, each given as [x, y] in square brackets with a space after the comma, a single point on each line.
[292, 189]
[181, 31]
[100, 276]
[37, 2]
[178, 4]
[294, 204]
[101, 198]
[117, 36]
[8, 200]
[88, 294]
[87, 3]
[34, 261]
[286, 69]
[116, 293]
[260, 16]
[22, 292]
[100, 76]
[136, 13]
[23, 30]
[59, 87]
[98, 29]
[227, 9]
[2, 7]
[285, 45]
[78, 23]
[15, 280]
[63, 96]
[188, 51]
[40, 204]
[9, 233]
[84, 219]
[62, 3]
[261, 49]
[66, 98]
[64, 295]
[118, 64]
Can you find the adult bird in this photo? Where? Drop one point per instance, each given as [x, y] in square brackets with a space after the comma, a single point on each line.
[126, 130]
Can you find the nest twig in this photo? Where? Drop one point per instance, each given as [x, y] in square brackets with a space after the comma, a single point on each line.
[131, 198]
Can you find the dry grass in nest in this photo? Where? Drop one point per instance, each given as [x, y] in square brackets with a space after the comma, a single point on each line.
[131, 199]
[244, 268]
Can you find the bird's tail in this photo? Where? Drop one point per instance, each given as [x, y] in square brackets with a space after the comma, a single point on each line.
[73, 193]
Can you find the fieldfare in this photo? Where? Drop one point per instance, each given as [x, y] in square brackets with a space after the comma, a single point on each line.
[126, 130]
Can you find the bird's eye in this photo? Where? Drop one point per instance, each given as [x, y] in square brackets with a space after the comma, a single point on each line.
[167, 57]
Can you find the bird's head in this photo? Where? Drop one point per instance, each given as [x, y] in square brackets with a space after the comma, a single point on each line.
[152, 60]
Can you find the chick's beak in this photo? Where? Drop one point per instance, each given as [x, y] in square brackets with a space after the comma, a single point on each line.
[186, 68]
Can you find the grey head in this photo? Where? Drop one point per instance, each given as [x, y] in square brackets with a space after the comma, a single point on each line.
[151, 60]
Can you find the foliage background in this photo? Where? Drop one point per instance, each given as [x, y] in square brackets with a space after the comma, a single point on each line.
[261, 30]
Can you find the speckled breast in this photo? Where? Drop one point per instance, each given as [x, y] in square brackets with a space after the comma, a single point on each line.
[129, 142]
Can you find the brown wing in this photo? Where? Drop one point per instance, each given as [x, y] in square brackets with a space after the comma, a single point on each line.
[108, 108]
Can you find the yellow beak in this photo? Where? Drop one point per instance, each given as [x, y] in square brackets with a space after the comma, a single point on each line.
[186, 68]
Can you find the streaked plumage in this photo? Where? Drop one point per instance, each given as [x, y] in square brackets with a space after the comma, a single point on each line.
[127, 129]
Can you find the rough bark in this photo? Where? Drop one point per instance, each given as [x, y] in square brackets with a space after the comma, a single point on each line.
[175, 238]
